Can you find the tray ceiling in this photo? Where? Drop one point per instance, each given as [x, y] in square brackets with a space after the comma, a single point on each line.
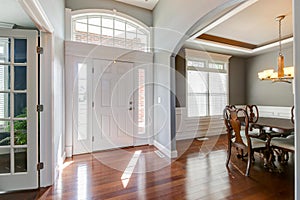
[255, 26]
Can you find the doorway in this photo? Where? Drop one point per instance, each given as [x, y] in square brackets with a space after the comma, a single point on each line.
[111, 103]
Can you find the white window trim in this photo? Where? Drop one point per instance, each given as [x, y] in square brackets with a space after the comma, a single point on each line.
[69, 14]
[196, 55]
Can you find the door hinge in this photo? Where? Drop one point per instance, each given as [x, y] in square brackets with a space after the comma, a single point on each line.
[39, 50]
[93, 70]
[93, 138]
[40, 166]
[39, 108]
[93, 104]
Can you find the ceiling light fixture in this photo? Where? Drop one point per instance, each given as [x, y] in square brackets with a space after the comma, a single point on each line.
[283, 74]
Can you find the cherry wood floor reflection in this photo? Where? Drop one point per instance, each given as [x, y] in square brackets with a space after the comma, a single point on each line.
[199, 173]
[139, 173]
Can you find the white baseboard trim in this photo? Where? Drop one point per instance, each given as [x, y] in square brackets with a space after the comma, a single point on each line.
[164, 150]
[174, 154]
[69, 150]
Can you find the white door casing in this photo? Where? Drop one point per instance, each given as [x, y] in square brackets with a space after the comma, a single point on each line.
[142, 75]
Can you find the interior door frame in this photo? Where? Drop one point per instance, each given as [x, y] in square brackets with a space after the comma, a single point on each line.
[39, 17]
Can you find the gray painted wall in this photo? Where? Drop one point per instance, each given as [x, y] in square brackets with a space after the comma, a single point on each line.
[265, 92]
[244, 85]
[141, 14]
[180, 66]
[162, 108]
[169, 29]
[237, 81]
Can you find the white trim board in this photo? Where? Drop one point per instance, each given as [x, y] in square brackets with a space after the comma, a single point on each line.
[164, 150]
[37, 14]
[272, 111]
[194, 127]
[106, 53]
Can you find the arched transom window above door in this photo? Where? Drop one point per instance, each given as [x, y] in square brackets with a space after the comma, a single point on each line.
[110, 28]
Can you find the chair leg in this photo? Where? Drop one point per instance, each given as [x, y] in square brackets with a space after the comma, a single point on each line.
[228, 153]
[250, 153]
[242, 152]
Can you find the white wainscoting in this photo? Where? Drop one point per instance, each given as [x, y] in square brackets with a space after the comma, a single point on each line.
[193, 127]
[273, 111]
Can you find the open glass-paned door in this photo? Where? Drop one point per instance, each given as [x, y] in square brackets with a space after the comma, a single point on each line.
[18, 116]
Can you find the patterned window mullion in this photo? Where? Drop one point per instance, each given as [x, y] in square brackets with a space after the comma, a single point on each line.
[89, 36]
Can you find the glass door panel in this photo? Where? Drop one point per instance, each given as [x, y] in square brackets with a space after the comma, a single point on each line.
[5, 160]
[20, 155]
[13, 105]
[20, 77]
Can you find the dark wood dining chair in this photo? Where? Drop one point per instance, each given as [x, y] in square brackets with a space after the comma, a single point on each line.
[239, 137]
[252, 111]
[283, 145]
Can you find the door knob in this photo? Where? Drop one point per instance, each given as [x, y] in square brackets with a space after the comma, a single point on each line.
[130, 108]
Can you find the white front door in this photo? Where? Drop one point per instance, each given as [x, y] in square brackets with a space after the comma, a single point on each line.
[18, 116]
[113, 105]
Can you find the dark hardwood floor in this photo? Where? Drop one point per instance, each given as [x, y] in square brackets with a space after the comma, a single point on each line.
[199, 173]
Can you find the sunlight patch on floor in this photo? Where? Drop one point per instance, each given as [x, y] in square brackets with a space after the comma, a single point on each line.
[130, 167]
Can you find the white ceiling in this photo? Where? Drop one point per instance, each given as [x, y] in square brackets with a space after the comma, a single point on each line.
[255, 25]
[147, 4]
[11, 12]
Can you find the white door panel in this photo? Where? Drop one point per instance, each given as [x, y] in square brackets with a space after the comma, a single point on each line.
[18, 116]
[113, 112]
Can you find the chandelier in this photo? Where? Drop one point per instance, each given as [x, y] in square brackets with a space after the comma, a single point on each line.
[283, 74]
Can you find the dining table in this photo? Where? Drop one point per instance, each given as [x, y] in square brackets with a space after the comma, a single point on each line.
[274, 126]
[271, 127]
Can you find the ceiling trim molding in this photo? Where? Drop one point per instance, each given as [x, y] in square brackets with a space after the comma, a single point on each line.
[227, 41]
[37, 14]
[240, 49]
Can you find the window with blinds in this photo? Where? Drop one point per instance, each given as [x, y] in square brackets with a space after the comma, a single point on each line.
[207, 87]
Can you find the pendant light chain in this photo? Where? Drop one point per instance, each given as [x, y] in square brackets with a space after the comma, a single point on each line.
[280, 37]
[283, 74]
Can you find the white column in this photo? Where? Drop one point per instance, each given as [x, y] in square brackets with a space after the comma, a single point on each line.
[296, 17]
